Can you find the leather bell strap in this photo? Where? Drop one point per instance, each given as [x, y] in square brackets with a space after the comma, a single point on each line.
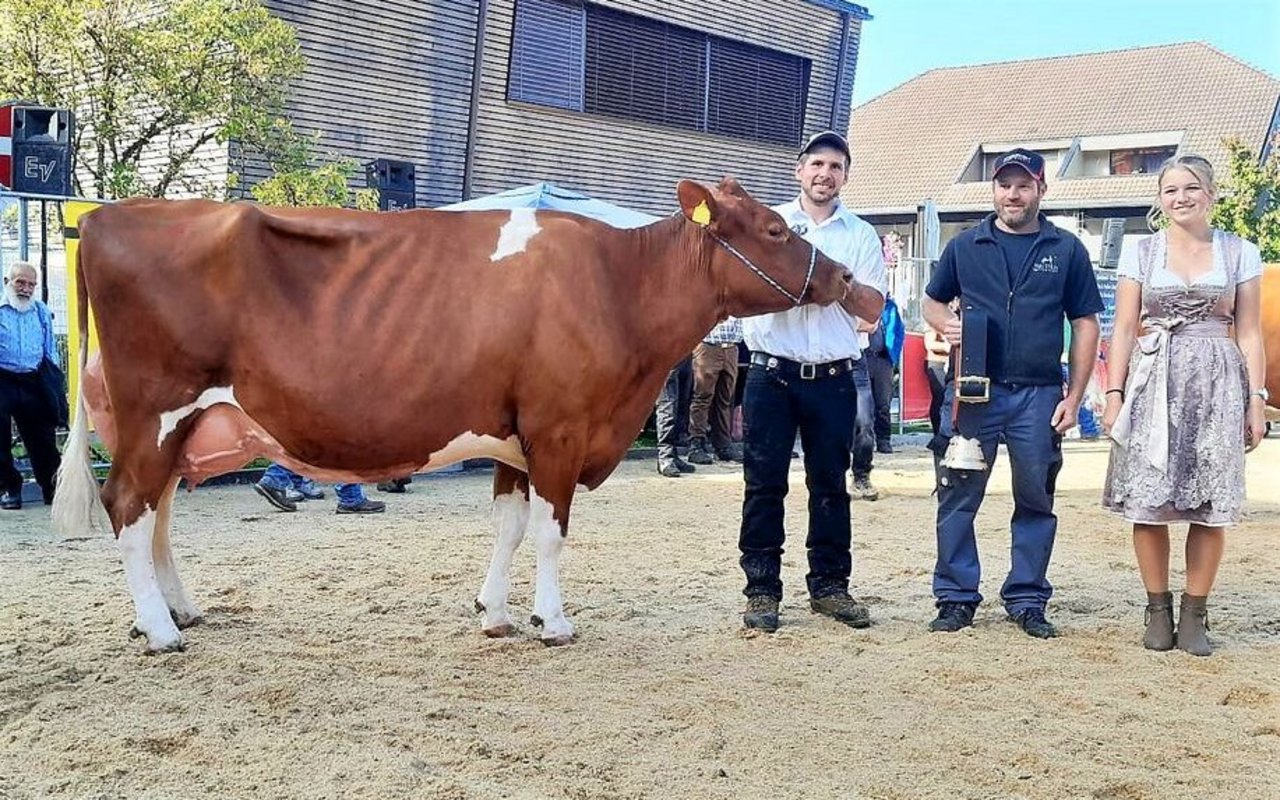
[972, 383]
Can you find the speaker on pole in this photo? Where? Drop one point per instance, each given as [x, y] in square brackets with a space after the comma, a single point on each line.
[41, 149]
[394, 182]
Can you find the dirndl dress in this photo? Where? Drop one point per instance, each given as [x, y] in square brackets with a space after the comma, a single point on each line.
[1178, 444]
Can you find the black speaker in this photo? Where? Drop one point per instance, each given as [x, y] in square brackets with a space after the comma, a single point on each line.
[394, 182]
[42, 150]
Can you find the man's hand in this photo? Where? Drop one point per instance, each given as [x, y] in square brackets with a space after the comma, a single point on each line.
[1065, 415]
[952, 332]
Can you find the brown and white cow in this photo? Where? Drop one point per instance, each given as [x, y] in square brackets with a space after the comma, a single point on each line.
[1270, 322]
[356, 347]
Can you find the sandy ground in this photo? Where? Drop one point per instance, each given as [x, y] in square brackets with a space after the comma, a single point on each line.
[341, 659]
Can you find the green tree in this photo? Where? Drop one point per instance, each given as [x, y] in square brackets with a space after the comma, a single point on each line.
[148, 78]
[296, 182]
[1249, 199]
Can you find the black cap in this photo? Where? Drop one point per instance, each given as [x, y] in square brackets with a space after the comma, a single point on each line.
[1025, 160]
[827, 139]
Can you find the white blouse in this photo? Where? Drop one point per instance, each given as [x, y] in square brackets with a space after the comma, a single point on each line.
[1161, 277]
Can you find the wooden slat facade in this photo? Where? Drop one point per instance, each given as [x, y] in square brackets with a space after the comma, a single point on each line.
[395, 80]
[385, 80]
[637, 164]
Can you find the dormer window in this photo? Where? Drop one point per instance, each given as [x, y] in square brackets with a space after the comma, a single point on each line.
[1140, 160]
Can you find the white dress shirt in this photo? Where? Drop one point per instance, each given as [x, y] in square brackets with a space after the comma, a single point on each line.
[817, 334]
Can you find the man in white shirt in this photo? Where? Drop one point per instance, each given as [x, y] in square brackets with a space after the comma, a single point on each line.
[802, 378]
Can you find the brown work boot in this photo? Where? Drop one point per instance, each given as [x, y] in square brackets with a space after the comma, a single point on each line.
[842, 608]
[761, 613]
[1159, 621]
[1193, 625]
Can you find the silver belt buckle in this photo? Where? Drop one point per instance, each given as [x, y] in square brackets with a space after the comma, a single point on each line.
[808, 371]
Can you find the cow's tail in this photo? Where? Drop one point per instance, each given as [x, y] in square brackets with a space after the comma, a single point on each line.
[77, 504]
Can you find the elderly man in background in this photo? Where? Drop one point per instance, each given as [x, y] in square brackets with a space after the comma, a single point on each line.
[26, 340]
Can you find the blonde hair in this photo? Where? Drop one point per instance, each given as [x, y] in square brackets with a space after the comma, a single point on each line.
[1198, 166]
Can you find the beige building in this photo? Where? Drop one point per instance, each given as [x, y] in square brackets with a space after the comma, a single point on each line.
[1104, 123]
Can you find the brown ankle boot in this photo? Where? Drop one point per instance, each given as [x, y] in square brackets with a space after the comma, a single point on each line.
[1193, 623]
[1159, 621]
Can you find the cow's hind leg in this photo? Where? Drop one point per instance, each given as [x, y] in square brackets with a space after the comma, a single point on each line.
[510, 516]
[133, 496]
[181, 609]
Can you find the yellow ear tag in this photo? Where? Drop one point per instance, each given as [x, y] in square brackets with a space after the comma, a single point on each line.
[701, 214]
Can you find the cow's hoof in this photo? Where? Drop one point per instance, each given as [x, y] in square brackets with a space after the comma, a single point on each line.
[186, 619]
[173, 646]
[499, 631]
[558, 641]
[167, 642]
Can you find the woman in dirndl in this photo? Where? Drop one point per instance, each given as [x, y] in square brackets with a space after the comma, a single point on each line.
[1192, 400]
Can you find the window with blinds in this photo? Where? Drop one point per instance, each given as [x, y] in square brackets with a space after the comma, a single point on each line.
[547, 44]
[599, 60]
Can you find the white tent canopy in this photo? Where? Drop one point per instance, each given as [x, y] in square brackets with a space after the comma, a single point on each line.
[550, 196]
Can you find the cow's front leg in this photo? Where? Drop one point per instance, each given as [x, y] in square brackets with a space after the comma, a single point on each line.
[153, 619]
[548, 537]
[510, 516]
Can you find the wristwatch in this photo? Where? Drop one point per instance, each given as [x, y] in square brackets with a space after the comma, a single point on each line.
[1263, 393]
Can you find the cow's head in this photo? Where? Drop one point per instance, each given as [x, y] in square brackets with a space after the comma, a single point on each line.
[759, 263]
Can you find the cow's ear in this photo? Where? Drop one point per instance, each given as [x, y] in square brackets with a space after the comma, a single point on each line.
[697, 202]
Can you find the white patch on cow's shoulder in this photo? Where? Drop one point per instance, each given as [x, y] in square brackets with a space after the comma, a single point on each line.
[516, 233]
[468, 445]
[169, 420]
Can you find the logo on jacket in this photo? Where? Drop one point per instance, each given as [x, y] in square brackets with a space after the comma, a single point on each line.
[1046, 264]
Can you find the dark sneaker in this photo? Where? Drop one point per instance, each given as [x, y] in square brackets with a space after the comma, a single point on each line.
[842, 608]
[276, 497]
[731, 453]
[699, 452]
[363, 507]
[669, 470]
[953, 617]
[1033, 623]
[394, 486]
[761, 613]
[684, 466]
[308, 489]
[294, 496]
[863, 490]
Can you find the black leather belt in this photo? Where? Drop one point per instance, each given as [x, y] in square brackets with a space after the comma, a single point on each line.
[973, 385]
[802, 370]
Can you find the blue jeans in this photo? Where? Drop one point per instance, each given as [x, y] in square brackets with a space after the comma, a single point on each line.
[278, 477]
[1019, 416]
[864, 432]
[774, 406]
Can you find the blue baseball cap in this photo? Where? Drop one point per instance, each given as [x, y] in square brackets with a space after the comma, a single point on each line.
[1025, 160]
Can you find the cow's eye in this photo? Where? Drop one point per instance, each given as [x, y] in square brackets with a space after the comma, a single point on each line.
[777, 231]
